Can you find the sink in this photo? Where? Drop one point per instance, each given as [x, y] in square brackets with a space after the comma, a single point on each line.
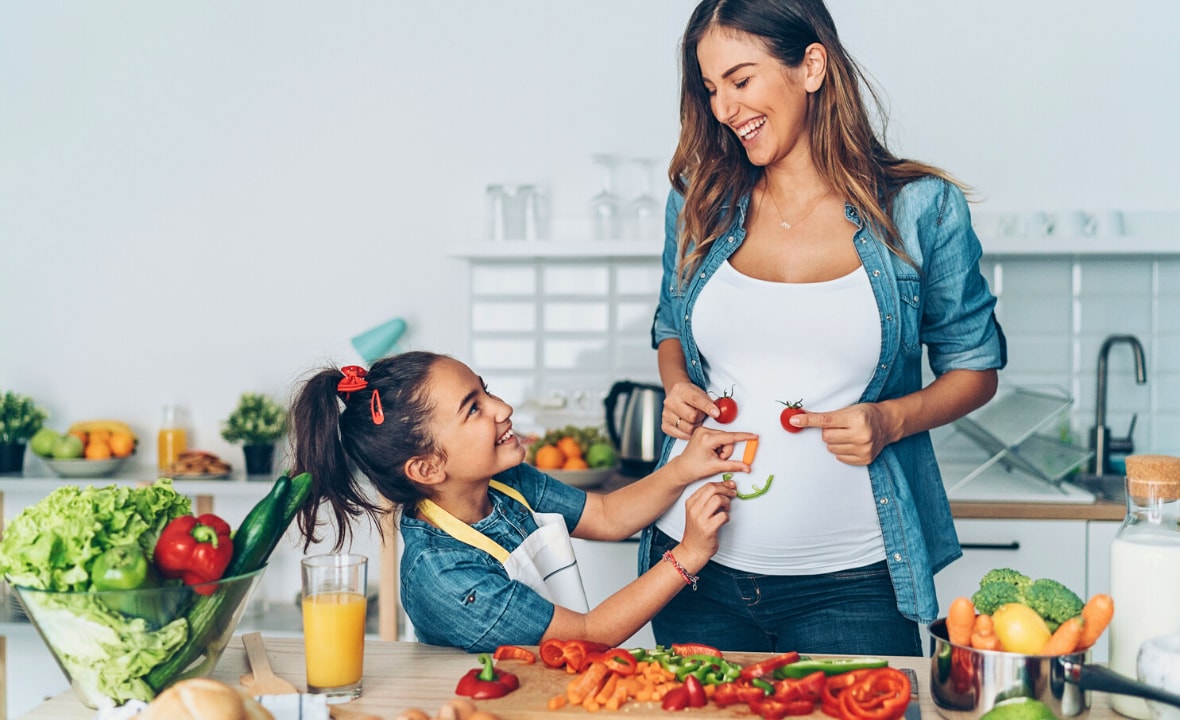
[1105, 487]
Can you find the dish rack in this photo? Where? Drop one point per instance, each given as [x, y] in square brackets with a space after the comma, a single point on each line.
[1015, 431]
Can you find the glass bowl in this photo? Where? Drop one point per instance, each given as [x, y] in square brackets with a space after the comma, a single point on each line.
[82, 468]
[119, 645]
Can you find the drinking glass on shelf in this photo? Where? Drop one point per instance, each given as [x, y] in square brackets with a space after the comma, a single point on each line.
[604, 207]
[643, 212]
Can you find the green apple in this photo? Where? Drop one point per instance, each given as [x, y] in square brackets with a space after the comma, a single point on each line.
[68, 447]
[43, 442]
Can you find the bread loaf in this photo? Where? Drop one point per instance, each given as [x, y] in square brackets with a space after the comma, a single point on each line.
[204, 699]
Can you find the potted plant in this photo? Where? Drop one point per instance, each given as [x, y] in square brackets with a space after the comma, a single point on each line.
[257, 422]
[20, 419]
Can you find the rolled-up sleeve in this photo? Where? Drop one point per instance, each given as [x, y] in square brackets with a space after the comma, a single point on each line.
[666, 324]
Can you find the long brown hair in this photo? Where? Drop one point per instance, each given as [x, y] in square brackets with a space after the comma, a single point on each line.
[711, 169]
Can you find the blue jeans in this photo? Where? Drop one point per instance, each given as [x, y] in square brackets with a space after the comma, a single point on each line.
[849, 612]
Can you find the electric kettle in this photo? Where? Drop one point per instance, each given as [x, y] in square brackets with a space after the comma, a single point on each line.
[633, 423]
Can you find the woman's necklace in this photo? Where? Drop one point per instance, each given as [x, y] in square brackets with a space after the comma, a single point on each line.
[781, 221]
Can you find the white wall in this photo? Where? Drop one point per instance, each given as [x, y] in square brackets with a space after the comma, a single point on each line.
[198, 199]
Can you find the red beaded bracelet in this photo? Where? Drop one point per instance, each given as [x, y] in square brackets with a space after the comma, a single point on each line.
[689, 578]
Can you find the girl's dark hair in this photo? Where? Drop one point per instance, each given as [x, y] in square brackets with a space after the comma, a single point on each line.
[335, 445]
[711, 169]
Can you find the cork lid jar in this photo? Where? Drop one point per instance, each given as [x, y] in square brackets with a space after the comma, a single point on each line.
[1153, 476]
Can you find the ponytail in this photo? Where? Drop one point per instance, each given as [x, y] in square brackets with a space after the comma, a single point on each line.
[336, 445]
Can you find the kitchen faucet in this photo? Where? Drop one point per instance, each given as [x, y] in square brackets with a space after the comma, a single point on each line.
[1100, 440]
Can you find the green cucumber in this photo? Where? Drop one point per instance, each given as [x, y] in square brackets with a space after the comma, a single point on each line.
[258, 534]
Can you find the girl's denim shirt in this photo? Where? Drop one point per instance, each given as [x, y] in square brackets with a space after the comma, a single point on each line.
[944, 303]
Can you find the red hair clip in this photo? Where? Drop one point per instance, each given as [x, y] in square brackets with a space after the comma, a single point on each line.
[375, 408]
[353, 380]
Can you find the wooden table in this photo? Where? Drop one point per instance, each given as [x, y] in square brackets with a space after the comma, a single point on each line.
[401, 675]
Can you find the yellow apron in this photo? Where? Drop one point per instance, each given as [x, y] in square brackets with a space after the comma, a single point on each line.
[544, 561]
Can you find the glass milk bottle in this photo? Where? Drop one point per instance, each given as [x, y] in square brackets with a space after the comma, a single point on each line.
[1145, 568]
[172, 440]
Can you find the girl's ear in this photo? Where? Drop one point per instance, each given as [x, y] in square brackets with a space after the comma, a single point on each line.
[815, 66]
[425, 470]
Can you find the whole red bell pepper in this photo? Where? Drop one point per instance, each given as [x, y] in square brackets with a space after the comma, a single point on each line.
[486, 682]
[195, 549]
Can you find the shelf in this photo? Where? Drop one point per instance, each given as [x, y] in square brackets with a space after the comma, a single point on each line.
[993, 247]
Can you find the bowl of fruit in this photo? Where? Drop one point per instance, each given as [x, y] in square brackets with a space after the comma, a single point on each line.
[579, 456]
[94, 448]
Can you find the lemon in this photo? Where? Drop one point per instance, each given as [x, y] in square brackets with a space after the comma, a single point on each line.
[1021, 708]
[1020, 629]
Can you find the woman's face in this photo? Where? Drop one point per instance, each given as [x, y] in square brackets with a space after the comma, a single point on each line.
[471, 426]
[761, 100]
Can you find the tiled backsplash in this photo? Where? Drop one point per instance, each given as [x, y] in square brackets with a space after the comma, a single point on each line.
[552, 330]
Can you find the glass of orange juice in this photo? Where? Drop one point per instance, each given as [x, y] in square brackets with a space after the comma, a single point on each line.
[334, 624]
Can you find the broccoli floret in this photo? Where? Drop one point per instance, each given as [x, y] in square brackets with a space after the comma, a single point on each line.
[991, 595]
[1053, 601]
[1008, 575]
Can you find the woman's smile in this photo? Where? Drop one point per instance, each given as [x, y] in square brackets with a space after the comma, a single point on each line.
[751, 129]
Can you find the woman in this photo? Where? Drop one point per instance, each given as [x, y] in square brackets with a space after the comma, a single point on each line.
[804, 262]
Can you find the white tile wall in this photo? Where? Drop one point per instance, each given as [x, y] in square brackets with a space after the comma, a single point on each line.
[545, 328]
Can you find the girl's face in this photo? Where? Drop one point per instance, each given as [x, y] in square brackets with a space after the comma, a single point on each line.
[473, 428]
[761, 100]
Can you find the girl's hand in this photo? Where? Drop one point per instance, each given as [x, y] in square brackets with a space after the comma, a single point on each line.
[685, 407]
[855, 434]
[708, 453]
[705, 511]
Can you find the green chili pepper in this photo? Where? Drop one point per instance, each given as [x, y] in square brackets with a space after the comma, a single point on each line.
[832, 666]
[757, 490]
[766, 686]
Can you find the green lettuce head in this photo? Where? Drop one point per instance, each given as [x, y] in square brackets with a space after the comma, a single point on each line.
[52, 544]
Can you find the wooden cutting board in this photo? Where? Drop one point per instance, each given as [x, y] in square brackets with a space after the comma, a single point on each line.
[538, 683]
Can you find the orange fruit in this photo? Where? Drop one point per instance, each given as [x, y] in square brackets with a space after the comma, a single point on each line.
[97, 450]
[122, 444]
[549, 458]
[575, 463]
[569, 447]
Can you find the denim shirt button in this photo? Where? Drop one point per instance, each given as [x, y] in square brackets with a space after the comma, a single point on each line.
[889, 317]
[884, 366]
[884, 501]
[702, 276]
[897, 557]
[876, 273]
[915, 298]
[731, 238]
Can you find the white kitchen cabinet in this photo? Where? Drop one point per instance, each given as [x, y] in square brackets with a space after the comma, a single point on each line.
[606, 567]
[1098, 538]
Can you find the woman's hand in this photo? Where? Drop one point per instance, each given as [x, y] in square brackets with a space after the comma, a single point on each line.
[685, 407]
[708, 453]
[705, 511]
[855, 434]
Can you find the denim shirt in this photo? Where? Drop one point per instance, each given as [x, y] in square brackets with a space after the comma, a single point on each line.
[460, 596]
[946, 306]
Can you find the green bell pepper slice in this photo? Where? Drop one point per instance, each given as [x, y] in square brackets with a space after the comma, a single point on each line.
[831, 666]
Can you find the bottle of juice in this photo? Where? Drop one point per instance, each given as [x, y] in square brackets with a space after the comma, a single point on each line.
[172, 439]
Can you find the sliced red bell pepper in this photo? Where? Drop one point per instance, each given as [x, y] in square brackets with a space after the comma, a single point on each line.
[485, 682]
[553, 652]
[808, 688]
[195, 549]
[833, 686]
[515, 652]
[882, 694]
[768, 666]
[574, 654]
[617, 660]
[773, 708]
[736, 693]
[695, 649]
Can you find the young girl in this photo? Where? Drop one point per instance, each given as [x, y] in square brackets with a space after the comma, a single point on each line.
[486, 558]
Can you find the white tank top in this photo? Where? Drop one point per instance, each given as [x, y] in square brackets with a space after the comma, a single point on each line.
[765, 342]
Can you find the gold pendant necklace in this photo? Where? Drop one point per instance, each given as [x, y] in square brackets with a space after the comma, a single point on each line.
[781, 221]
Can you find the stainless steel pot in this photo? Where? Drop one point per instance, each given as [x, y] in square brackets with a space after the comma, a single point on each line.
[633, 422]
[965, 682]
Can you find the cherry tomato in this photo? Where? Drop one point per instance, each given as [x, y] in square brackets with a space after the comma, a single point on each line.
[790, 411]
[728, 408]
